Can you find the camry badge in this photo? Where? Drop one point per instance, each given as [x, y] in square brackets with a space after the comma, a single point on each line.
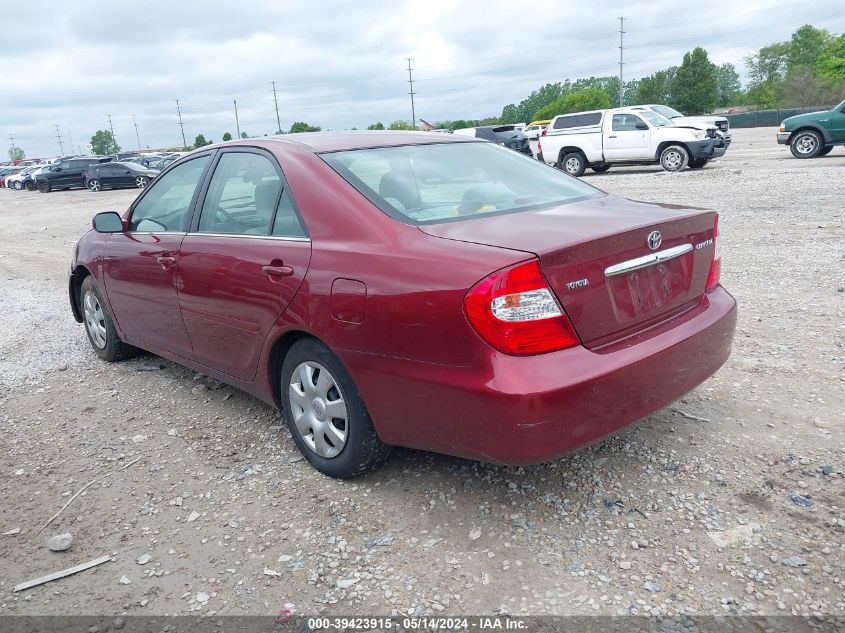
[654, 240]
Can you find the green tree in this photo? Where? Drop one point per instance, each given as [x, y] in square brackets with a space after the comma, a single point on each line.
[376, 126]
[831, 64]
[728, 84]
[802, 86]
[244, 135]
[227, 136]
[806, 47]
[541, 97]
[695, 89]
[608, 85]
[302, 126]
[16, 153]
[655, 88]
[200, 141]
[401, 125]
[103, 143]
[575, 101]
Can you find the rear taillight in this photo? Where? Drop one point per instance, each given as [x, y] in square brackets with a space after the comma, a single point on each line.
[545, 131]
[716, 265]
[515, 312]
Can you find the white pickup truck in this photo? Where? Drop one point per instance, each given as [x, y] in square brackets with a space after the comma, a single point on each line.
[621, 136]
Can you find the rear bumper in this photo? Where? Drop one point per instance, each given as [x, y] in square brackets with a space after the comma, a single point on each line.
[519, 410]
[783, 138]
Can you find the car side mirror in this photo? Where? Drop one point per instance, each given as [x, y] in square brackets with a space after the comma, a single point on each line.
[108, 222]
[56, 169]
[641, 126]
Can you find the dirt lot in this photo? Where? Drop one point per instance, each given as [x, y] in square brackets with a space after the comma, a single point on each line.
[730, 501]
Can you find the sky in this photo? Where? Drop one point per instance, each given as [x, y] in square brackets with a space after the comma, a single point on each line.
[339, 64]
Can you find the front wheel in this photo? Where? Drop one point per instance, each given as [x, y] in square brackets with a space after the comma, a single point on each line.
[141, 182]
[806, 144]
[574, 164]
[325, 413]
[44, 186]
[674, 158]
[698, 163]
[94, 185]
[826, 150]
[99, 326]
[17, 186]
[30, 186]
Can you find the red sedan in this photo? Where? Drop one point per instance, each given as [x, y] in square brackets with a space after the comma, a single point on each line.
[410, 289]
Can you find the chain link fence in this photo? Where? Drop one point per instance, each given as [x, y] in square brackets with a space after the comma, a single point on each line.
[769, 118]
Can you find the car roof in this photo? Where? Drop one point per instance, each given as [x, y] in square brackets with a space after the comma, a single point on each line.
[320, 142]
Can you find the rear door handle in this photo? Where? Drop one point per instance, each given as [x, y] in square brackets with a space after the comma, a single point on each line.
[614, 136]
[278, 271]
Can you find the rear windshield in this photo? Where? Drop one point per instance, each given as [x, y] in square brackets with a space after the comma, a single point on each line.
[428, 184]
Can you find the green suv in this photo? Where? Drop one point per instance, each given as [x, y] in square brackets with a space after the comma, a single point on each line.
[814, 134]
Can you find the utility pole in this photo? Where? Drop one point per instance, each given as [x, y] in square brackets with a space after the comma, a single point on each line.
[59, 136]
[179, 110]
[12, 140]
[70, 136]
[276, 100]
[621, 62]
[237, 123]
[137, 136]
[412, 93]
[111, 127]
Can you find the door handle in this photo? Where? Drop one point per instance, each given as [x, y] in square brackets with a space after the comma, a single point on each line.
[278, 270]
[614, 136]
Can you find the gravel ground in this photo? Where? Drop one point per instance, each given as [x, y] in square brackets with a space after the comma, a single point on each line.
[729, 502]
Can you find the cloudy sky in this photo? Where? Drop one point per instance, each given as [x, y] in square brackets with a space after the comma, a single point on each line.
[338, 63]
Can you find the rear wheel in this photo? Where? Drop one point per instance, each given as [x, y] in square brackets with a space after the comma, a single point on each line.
[94, 185]
[30, 186]
[600, 169]
[697, 163]
[99, 326]
[806, 144]
[325, 413]
[44, 186]
[141, 182]
[674, 158]
[573, 164]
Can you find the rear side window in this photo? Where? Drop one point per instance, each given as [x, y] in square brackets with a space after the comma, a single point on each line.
[164, 207]
[577, 120]
[242, 196]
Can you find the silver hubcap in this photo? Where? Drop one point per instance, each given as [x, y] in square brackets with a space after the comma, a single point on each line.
[94, 185]
[572, 165]
[318, 409]
[95, 320]
[806, 144]
[141, 182]
[672, 159]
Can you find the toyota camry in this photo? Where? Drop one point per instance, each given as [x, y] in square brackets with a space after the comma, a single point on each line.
[410, 289]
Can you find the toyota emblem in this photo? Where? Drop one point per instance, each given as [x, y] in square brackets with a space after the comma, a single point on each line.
[654, 240]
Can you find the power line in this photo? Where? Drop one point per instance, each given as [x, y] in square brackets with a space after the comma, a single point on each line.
[621, 61]
[59, 136]
[411, 82]
[275, 99]
[182, 127]
[137, 136]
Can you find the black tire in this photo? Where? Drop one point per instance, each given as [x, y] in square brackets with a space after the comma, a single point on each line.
[94, 184]
[574, 164]
[697, 163]
[674, 158]
[44, 186]
[826, 150]
[806, 144]
[363, 450]
[30, 185]
[114, 349]
[600, 169]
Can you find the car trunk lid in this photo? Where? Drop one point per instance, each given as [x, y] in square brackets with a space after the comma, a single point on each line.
[598, 260]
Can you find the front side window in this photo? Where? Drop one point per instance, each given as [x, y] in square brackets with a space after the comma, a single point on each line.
[625, 122]
[164, 207]
[242, 195]
[425, 184]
